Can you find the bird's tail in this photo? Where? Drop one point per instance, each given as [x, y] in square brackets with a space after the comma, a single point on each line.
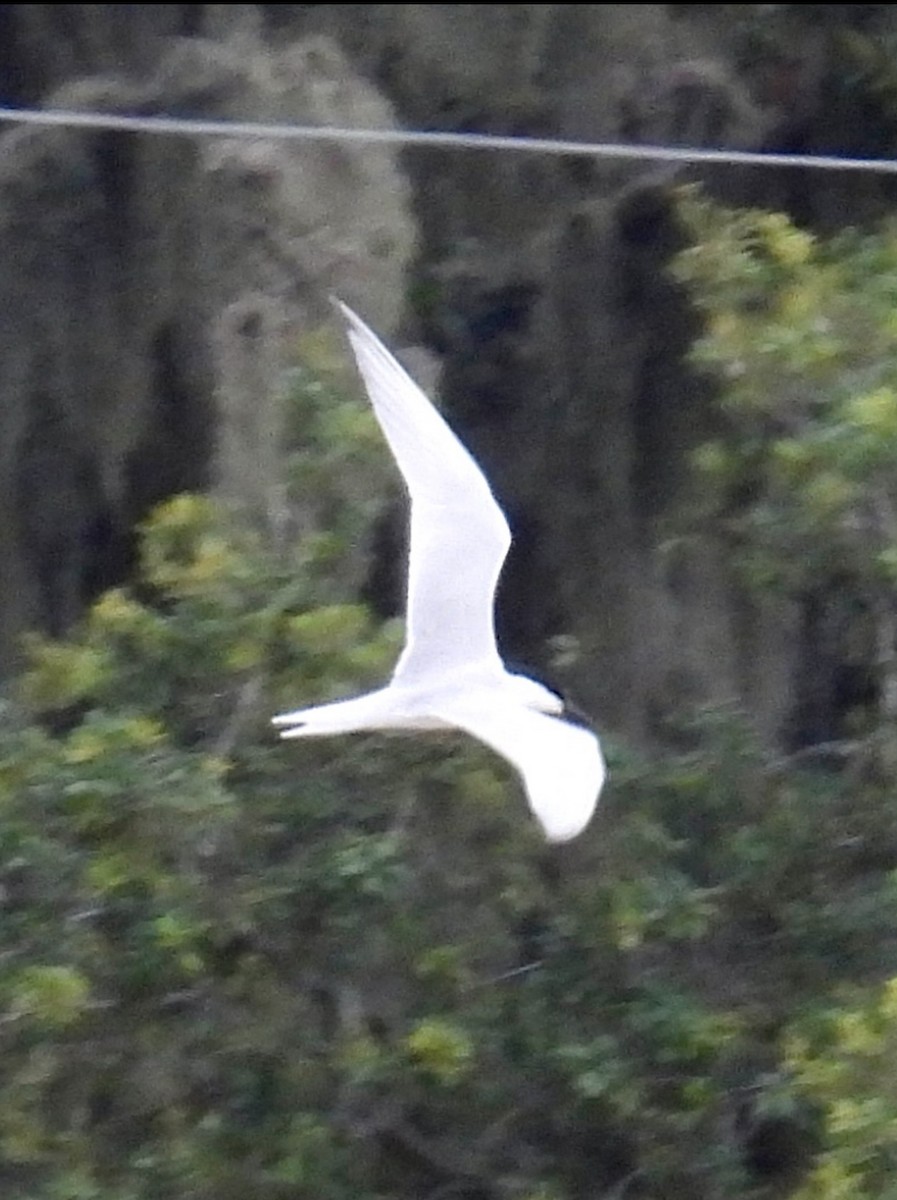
[370, 711]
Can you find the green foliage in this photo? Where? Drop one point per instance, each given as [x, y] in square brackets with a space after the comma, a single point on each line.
[231, 963]
[235, 966]
[801, 479]
[843, 1059]
[800, 334]
[50, 996]
[440, 1050]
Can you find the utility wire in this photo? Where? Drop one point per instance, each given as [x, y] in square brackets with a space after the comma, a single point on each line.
[201, 127]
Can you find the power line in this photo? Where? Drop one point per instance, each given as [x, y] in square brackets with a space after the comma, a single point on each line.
[202, 127]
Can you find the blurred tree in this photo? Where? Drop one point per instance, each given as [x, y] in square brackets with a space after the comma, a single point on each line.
[231, 966]
[803, 477]
[801, 334]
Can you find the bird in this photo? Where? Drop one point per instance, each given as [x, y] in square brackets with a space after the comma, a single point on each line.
[450, 674]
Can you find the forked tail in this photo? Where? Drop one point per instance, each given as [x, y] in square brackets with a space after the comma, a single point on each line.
[370, 711]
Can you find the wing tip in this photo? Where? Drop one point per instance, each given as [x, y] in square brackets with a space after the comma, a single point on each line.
[348, 314]
[576, 816]
[290, 718]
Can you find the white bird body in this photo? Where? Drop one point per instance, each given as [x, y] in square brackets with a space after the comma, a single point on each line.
[450, 674]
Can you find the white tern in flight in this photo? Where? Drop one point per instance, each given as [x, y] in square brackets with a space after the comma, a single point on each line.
[450, 674]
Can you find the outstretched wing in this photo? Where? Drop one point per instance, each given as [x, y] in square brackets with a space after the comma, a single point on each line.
[561, 764]
[459, 536]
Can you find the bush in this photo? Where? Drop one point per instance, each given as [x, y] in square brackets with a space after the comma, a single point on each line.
[351, 968]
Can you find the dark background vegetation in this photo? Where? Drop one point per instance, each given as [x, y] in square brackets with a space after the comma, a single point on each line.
[234, 967]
